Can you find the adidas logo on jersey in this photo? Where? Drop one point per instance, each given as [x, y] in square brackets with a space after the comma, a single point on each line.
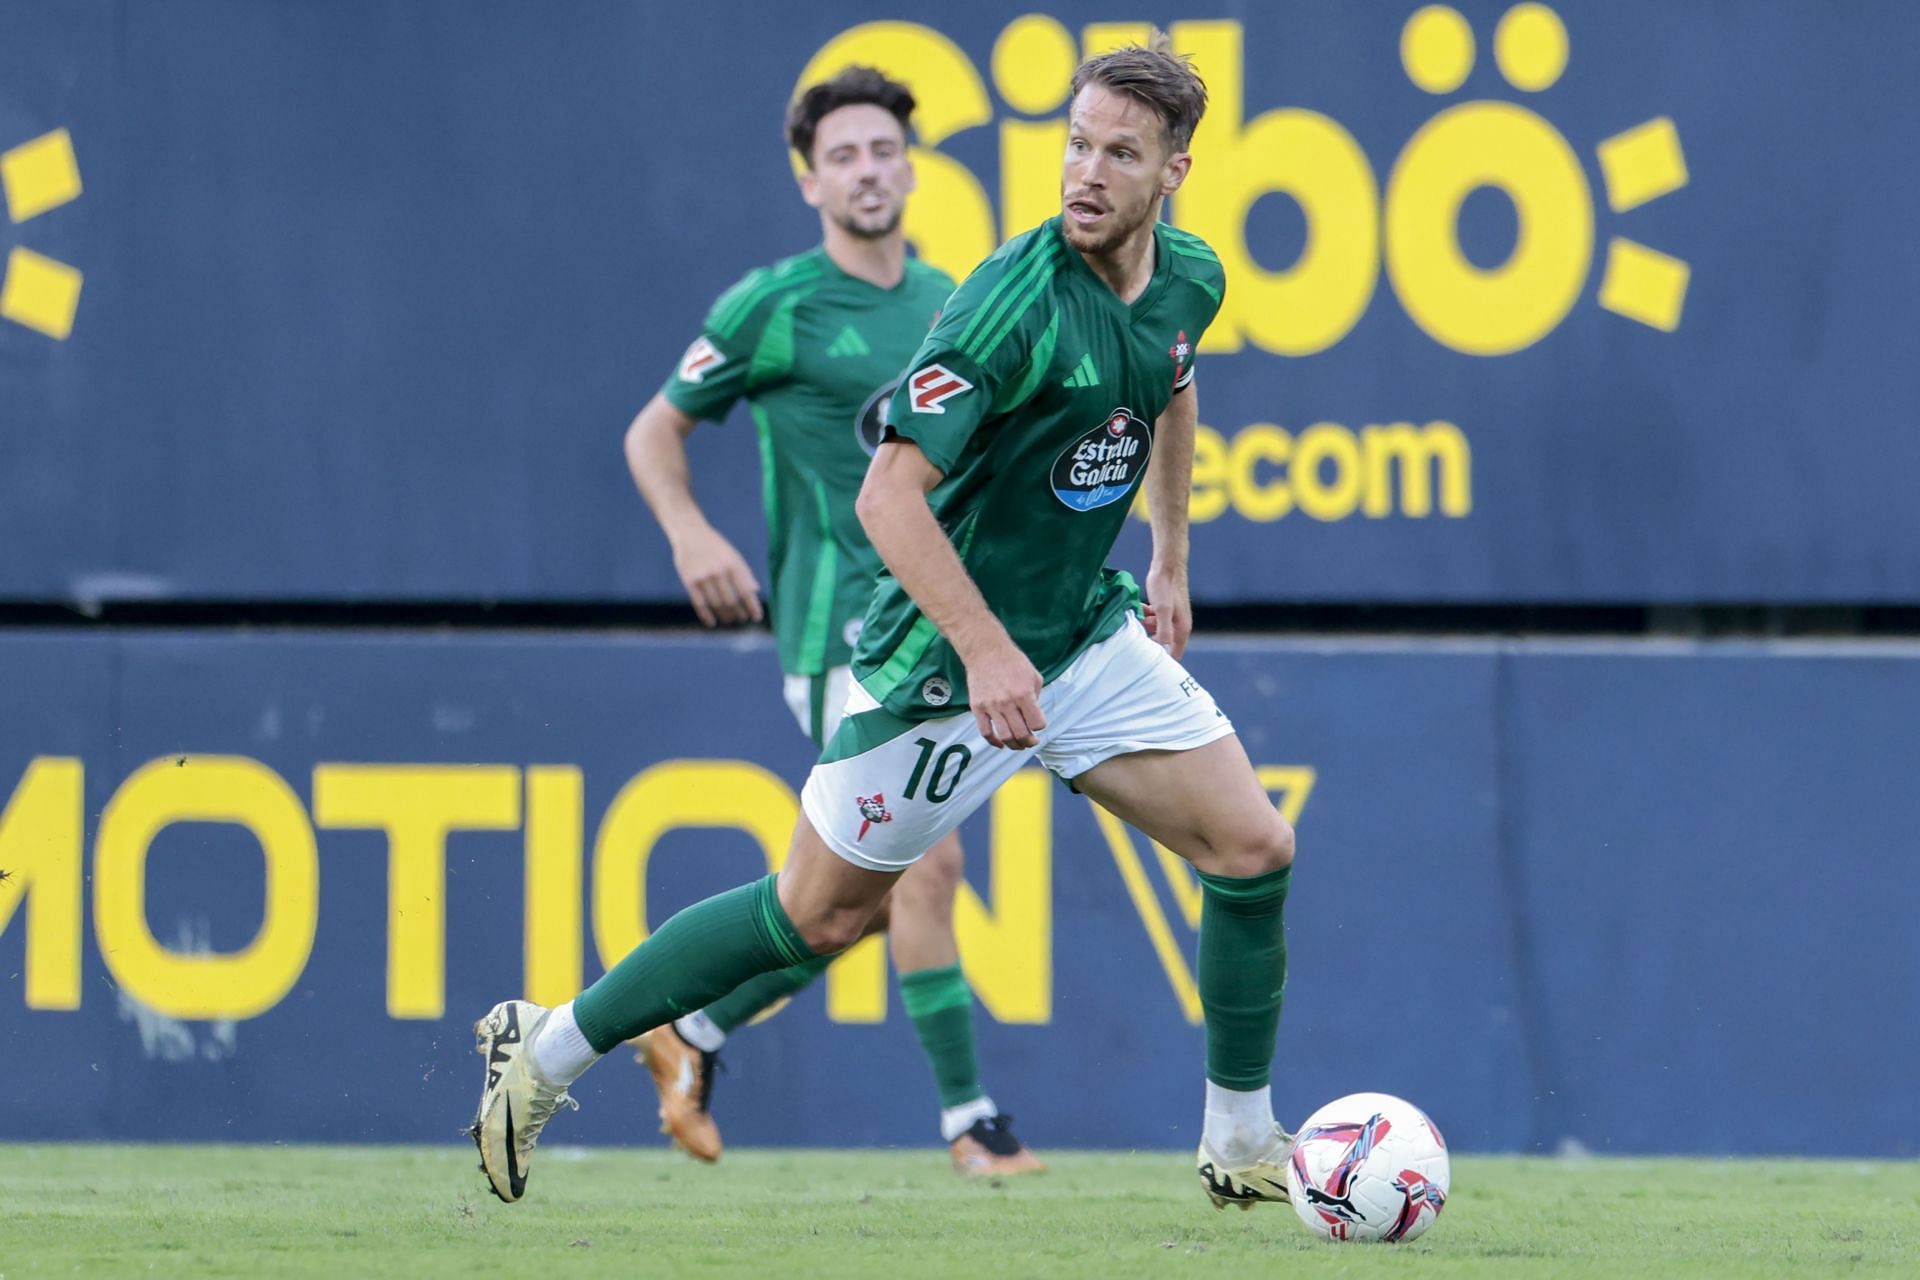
[849, 343]
[1084, 375]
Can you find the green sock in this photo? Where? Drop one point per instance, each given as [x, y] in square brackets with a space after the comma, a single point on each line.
[1243, 974]
[746, 1002]
[691, 961]
[941, 1005]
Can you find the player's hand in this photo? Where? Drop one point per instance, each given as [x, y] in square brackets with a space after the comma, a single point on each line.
[1004, 688]
[1168, 613]
[718, 581]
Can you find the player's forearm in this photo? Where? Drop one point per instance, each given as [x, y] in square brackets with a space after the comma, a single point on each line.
[657, 456]
[1170, 481]
[916, 551]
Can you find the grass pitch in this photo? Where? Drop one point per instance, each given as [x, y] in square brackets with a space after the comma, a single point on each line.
[420, 1213]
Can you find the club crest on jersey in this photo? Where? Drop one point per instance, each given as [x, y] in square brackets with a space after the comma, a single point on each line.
[1182, 353]
[1102, 466]
[931, 388]
[870, 425]
[936, 692]
[701, 359]
[873, 809]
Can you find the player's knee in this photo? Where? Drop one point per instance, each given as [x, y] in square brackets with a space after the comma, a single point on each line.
[834, 929]
[881, 920]
[1266, 849]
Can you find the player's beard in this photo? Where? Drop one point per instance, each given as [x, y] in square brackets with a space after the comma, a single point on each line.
[873, 226]
[1119, 224]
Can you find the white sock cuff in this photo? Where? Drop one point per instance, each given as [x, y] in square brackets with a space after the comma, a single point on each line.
[1238, 1123]
[955, 1121]
[700, 1031]
[560, 1051]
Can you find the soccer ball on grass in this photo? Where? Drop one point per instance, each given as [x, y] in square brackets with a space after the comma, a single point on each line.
[1369, 1166]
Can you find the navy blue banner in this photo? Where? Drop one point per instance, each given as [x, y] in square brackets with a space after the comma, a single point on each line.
[1554, 894]
[1589, 301]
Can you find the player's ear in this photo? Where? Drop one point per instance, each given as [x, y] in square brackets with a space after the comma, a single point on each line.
[1175, 172]
[810, 186]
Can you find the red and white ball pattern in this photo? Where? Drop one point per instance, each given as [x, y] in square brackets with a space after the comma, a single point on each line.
[1369, 1166]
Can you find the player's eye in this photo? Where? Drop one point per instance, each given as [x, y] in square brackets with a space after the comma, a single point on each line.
[1123, 154]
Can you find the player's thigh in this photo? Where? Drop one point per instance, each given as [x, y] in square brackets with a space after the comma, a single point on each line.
[1124, 695]
[926, 891]
[1206, 804]
[1144, 738]
[831, 901]
[921, 927]
[882, 795]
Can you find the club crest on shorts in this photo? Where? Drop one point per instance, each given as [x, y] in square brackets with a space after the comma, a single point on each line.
[936, 692]
[1102, 466]
[700, 360]
[873, 809]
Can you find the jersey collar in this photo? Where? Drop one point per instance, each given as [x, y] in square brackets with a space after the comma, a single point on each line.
[1162, 271]
[833, 268]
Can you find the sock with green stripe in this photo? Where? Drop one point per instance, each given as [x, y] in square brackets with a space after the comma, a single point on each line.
[756, 995]
[691, 961]
[941, 1005]
[1243, 974]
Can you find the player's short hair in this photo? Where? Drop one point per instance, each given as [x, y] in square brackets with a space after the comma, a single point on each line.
[1156, 75]
[851, 87]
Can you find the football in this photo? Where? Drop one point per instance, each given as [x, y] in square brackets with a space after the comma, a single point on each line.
[1369, 1166]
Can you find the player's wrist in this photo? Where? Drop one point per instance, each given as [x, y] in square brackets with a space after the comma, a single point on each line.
[687, 529]
[1168, 570]
[981, 641]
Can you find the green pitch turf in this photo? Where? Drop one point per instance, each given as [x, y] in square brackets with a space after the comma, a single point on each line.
[353, 1212]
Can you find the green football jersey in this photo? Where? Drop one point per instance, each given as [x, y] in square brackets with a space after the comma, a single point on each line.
[1036, 395]
[815, 352]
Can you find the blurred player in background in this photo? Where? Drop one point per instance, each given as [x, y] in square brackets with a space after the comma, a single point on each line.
[1015, 445]
[815, 344]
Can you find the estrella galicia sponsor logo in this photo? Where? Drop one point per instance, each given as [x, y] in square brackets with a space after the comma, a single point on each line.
[870, 427]
[936, 692]
[1101, 466]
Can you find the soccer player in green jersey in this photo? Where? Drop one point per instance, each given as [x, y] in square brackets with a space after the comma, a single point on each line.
[1057, 382]
[814, 344]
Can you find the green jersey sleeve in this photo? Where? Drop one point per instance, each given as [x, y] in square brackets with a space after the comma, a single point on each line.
[1199, 272]
[728, 359]
[983, 356]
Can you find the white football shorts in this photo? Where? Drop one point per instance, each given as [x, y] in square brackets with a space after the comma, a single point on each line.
[886, 789]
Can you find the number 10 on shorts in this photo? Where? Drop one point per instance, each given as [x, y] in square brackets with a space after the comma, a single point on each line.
[947, 768]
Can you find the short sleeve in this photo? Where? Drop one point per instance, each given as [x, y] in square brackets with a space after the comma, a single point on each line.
[717, 368]
[974, 352]
[1206, 285]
